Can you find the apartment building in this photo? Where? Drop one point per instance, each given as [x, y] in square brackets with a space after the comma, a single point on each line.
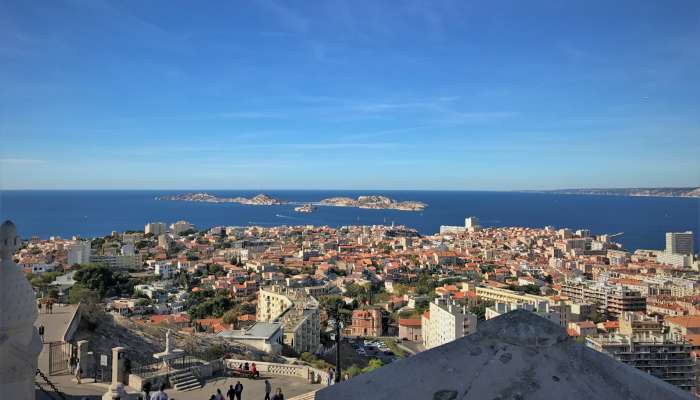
[117, 261]
[296, 311]
[662, 356]
[680, 243]
[635, 324]
[610, 300]
[79, 253]
[155, 228]
[509, 296]
[446, 321]
[547, 312]
[367, 322]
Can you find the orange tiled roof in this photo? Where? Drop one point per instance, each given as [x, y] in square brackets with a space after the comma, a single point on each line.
[688, 321]
[412, 322]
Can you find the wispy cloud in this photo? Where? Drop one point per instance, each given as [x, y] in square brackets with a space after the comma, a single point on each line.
[21, 161]
[286, 16]
[247, 115]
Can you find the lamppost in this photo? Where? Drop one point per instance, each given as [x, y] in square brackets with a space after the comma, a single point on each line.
[337, 323]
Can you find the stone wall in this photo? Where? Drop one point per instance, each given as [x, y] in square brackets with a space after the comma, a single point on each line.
[204, 371]
[313, 375]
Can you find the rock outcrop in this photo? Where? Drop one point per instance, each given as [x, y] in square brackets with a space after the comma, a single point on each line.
[515, 356]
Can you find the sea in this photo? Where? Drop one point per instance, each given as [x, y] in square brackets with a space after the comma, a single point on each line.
[642, 221]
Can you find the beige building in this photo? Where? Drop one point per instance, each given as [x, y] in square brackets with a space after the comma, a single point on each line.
[508, 296]
[446, 321]
[610, 300]
[296, 311]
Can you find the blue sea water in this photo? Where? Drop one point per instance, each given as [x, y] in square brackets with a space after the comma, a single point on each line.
[644, 220]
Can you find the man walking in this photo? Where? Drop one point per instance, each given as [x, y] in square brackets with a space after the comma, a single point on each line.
[231, 394]
[78, 371]
[268, 389]
[239, 390]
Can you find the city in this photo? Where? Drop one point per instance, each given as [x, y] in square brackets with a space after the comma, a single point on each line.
[275, 294]
[349, 200]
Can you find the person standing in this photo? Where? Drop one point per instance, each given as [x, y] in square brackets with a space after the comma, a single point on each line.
[268, 389]
[239, 390]
[72, 362]
[78, 371]
[147, 390]
[219, 395]
[330, 377]
[231, 394]
[278, 395]
[160, 395]
[41, 333]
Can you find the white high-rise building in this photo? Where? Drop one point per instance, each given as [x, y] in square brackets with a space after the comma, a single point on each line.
[446, 321]
[680, 243]
[79, 253]
[155, 228]
[180, 226]
[471, 223]
[128, 249]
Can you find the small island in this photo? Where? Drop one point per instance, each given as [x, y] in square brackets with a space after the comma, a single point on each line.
[374, 202]
[259, 200]
[306, 208]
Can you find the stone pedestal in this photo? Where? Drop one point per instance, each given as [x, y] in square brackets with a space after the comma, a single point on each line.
[84, 358]
[20, 344]
[116, 389]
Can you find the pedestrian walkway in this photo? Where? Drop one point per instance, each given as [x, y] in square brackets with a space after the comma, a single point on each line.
[252, 388]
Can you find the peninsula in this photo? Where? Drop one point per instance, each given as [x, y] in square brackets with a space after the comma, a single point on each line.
[374, 202]
[259, 200]
[642, 192]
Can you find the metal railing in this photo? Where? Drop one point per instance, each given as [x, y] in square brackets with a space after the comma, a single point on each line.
[48, 382]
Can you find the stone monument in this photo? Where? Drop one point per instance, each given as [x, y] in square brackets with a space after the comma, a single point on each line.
[169, 352]
[20, 344]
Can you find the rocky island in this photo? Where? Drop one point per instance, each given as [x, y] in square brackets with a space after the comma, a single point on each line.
[259, 200]
[373, 202]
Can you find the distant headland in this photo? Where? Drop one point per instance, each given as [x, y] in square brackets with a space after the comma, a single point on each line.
[693, 192]
[370, 202]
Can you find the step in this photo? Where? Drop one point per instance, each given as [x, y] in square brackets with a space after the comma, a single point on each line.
[185, 381]
[190, 386]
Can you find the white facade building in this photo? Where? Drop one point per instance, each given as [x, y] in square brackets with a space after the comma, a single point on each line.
[680, 243]
[164, 270]
[180, 226]
[155, 228]
[471, 223]
[445, 322]
[79, 253]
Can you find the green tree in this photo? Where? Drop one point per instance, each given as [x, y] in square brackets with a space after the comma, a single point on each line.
[231, 317]
[82, 294]
[372, 365]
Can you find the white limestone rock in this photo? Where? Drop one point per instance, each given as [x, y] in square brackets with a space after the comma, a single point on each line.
[20, 344]
[518, 355]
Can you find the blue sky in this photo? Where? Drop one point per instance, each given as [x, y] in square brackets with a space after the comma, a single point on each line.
[349, 94]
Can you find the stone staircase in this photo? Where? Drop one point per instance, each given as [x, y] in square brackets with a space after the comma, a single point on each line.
[184, 380]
